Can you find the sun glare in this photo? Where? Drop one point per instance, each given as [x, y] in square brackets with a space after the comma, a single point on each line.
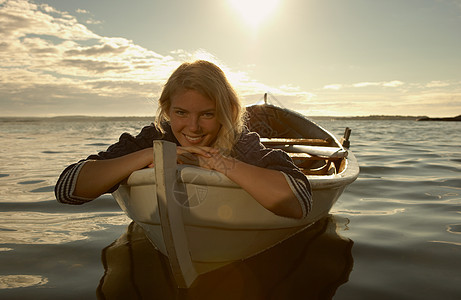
[254, 12]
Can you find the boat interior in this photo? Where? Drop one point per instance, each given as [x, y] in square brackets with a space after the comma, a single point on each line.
[313, 149]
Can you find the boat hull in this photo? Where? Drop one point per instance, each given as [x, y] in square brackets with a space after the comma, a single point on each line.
[223, 223]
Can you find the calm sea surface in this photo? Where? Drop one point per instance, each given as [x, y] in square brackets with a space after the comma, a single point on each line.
[394, 234]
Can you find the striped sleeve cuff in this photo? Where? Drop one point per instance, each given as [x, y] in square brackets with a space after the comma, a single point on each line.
[302, 192]
[66, 185]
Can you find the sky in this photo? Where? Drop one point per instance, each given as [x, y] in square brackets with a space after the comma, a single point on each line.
[318, 57]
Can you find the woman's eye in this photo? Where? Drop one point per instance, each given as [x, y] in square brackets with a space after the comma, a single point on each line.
[180, 113]
[208, 115]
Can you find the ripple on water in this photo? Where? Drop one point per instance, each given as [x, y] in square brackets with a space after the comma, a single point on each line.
[44, 189]
[21, 281]
[454, 228]
[388, 170]
[404, 189]
[450, 182]
[442, 167]
[98, 144]
[30, 181]
[54, 228]
[52, 152]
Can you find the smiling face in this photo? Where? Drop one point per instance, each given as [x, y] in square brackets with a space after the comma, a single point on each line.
[193, 119]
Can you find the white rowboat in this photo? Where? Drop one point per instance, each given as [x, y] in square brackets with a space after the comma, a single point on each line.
[201, 220]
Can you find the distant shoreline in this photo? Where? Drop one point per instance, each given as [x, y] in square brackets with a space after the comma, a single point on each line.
[457, 118]
[372, 117]
[379, 117]
[76, 119]
[84, 118]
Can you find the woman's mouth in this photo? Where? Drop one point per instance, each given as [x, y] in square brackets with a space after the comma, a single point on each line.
[193, 139]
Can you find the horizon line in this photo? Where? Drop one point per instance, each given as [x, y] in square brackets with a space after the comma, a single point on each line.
[146, 116]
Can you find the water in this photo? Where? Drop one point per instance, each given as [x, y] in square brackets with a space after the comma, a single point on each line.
[394, 234]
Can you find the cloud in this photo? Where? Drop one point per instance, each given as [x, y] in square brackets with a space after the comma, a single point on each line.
[365, 84]
[437, 84]
[389, 98]
[81, 11]
[92, 22]
[90, 66]
[52, 61]
[393, 83]
[435, 98]
[333, 87]
[98, 50]
[21, 18]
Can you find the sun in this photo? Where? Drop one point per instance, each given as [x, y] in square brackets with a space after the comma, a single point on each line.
[254, 12]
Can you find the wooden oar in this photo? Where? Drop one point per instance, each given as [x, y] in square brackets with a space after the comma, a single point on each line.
[300, 141]
[171, 221]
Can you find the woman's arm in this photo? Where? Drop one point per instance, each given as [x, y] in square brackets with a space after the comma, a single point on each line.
[87, 180]
[97, 176]
[269, 187]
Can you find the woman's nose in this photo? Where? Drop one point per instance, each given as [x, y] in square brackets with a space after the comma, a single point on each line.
[194, 125]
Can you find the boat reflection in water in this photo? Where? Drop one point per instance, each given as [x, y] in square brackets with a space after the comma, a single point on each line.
[309, 265]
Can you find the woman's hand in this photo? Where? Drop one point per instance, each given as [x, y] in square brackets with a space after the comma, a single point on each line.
[205, 157]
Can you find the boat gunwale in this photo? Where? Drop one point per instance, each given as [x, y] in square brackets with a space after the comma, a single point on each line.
[189, 174]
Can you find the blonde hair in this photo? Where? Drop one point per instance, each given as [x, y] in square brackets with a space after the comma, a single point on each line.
[210, 81]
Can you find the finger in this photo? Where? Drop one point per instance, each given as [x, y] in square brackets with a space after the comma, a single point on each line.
[204, 151]
[188, 158]
[214, 151]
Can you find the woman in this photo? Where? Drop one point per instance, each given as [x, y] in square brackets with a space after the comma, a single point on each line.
[201, 113]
